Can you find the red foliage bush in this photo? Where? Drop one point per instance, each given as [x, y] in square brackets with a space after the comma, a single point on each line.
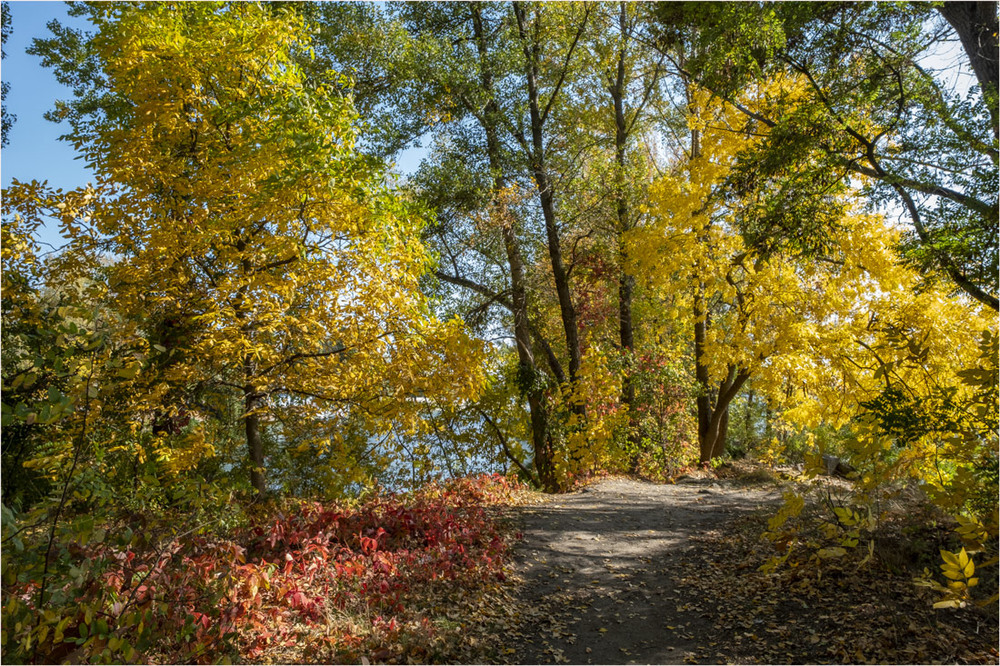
[199, 599]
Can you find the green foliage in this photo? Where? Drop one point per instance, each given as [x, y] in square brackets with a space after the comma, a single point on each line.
[101, 496]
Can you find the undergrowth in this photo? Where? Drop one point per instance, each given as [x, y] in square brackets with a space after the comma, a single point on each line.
[384, 578]
[796, 595]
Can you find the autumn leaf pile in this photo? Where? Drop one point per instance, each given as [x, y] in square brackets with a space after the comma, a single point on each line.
[322, 582]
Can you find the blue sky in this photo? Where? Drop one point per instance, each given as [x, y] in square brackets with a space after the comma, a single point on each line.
[35, 152]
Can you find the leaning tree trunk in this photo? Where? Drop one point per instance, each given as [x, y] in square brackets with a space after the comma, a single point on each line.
[713, 444]
[721, 435]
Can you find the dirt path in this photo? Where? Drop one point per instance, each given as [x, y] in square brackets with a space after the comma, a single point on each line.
[599, 567]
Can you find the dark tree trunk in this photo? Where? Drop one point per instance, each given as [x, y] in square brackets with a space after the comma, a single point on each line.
[712, 439]
[256, 447]
[251, 396]
[626, 282]
[706, 439]
[540, 437]
[251, 423]
[546, 195]
[722, 436]
[713, 406]
[976, 25]
[704, 399]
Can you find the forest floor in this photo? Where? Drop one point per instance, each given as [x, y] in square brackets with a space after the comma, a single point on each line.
[625, 571]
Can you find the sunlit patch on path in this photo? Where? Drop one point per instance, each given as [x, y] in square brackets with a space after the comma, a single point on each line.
[599, 568]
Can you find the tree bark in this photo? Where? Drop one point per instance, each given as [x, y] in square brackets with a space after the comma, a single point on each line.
[251, 397]
[704, 399]
[713, 410]
[722, 436]
[546, 195]
[626, 282]
[251, 423]
[976, 25]
[712, 439]
[255, 444]
[541, 440]
[706, 440]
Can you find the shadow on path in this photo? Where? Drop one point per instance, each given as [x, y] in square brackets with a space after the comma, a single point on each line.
[599, 567]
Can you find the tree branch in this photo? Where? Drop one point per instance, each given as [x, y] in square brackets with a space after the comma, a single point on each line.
[550, 356]
[565, 67]
[506, 448]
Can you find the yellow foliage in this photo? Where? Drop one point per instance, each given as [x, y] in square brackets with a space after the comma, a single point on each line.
[255, 252]
[185, 454]
[780, 317]
[587, 442]
[959, 569]
[821, 336]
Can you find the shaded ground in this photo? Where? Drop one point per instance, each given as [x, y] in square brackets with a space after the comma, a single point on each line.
[625, 571]
[601, 568]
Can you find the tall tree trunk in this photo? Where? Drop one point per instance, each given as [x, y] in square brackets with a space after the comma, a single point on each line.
[540, 437]
[704, 400]
[706, 438]
[626, 282]
[713, 410]
[546, 194]
[251, 397]
[251, 423]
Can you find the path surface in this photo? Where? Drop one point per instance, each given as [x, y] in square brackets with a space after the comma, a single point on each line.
[599, 567]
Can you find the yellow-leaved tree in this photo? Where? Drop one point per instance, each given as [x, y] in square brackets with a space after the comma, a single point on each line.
[845, 336]
[257, 260]
[744, 309]
[786, 320]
